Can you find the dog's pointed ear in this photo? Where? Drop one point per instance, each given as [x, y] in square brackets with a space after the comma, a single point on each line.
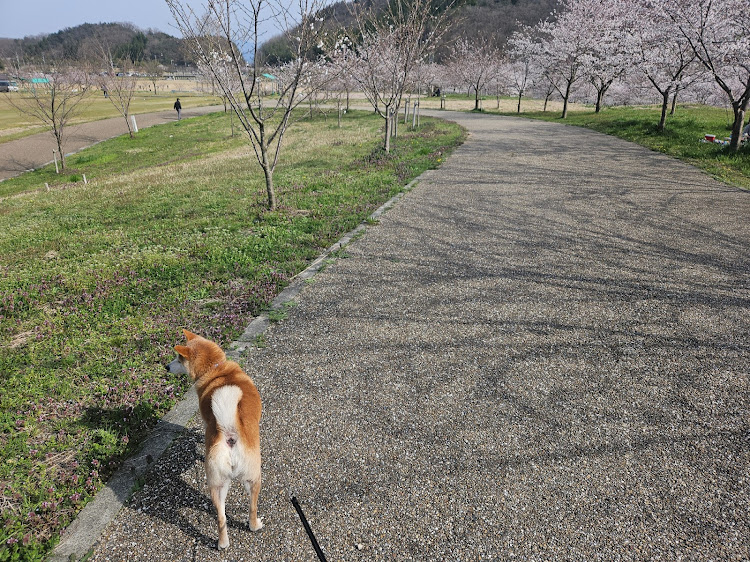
[189, 335]
[183, 350]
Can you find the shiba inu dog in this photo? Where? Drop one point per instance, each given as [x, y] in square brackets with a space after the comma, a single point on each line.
[230, 406]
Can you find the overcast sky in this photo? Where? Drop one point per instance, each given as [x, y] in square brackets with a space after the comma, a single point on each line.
[19, 18]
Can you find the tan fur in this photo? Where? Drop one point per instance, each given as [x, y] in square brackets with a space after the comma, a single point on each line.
[229, 455]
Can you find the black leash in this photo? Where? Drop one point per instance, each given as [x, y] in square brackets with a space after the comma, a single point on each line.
[316, 546]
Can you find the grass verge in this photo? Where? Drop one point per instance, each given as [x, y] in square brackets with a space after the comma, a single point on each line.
[15, 125]
[680, 139]
[97, 279]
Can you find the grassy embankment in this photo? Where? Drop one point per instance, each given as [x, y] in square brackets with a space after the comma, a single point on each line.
[171, 231]
[15, 125]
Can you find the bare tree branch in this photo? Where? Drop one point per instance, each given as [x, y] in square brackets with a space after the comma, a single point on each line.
[220, 35]
[54, 98]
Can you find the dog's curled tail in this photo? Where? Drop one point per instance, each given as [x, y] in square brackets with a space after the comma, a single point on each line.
[224, 407]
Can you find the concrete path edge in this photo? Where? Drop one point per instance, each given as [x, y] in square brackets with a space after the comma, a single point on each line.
[80, 537]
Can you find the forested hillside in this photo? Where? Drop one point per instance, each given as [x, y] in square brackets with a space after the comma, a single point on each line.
[82, 42]
[495, 19]
[492, 19]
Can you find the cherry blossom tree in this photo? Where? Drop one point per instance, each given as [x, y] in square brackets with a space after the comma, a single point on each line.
[501, 79]
[432, 77]
[223, 68]
[219, 35]
[55, 99]
[587, 39]
[316, 79]
[389, 46]
[608, 58]
[659, 51]
[475, 64]
[718, 32]
[342, 85]
[118, 81]
[524, 51]
[565, 50]
[152, 69]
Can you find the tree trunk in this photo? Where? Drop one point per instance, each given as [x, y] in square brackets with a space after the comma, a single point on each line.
[599, 97]
[476, 99]
[268, 173]
[58, 140]
[674, 101]
[566, 97]
[130, 127]
[664, 106]
[387, 140]
[739, 121]
[518, 110]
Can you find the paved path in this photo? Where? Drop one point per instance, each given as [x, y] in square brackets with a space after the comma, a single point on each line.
[34, 151]
[540, 353]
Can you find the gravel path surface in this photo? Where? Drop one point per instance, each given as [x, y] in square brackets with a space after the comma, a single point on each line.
[540, 353]
[29, 153]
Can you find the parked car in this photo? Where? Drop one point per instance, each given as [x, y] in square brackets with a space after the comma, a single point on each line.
[8, 86]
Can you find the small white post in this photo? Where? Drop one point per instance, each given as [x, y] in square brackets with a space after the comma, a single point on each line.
[54, 155]
[46, 185]
[135, 126]
[84, 179]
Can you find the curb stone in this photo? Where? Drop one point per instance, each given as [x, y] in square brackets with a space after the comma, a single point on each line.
[84, 532]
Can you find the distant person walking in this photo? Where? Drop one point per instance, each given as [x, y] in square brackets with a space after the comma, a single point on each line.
[178, 107]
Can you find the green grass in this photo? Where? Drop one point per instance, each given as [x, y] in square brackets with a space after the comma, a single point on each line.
[97, 280]
[15, 125]
[680, 139]
[179, 141]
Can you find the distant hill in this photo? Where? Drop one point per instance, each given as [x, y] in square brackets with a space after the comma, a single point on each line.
[80, 43]
[492, 19]
[495, 19]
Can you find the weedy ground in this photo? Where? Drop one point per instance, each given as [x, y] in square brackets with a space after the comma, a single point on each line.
[171, 231]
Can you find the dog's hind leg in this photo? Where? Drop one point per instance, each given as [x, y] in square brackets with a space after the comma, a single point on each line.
[219, 496]
[253, 488]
